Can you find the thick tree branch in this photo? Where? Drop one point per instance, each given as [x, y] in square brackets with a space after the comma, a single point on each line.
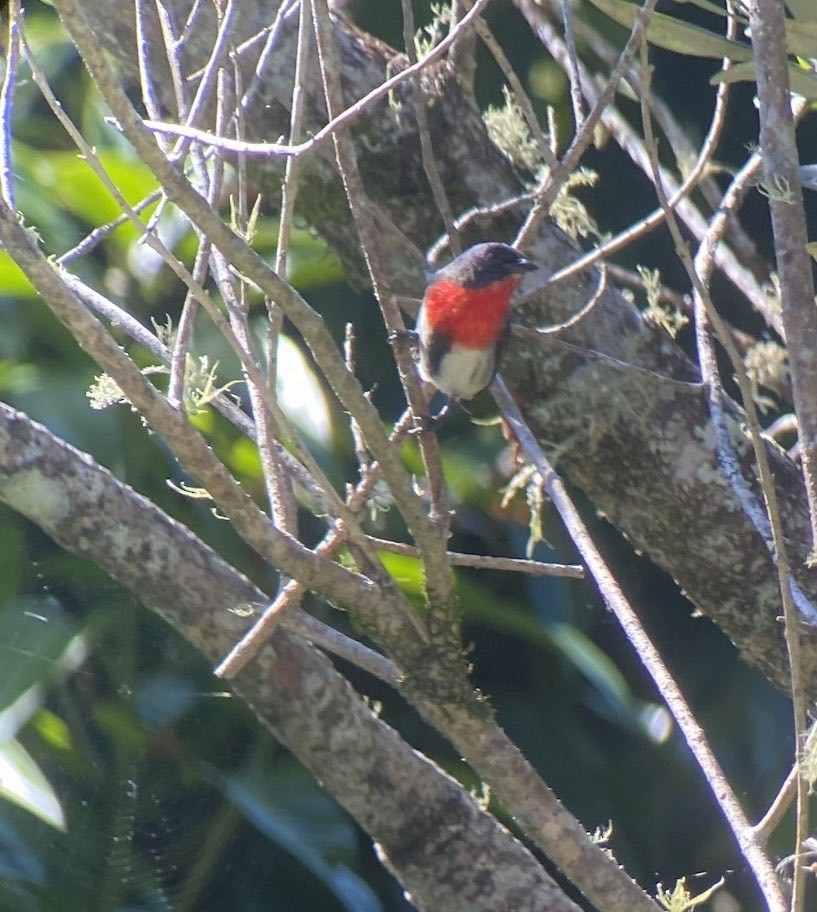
[402, 799]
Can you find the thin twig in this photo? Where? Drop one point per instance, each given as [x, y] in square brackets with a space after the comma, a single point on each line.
[282, 501]
[253, 640]
[764, 828]
[632, 143]
[184, 329]
[438, 576]
[650, 657]
[553, 181]
[174, 63]
[98, 235]
[149, 97]
[781, 171]
[361, 451]
[7, 103]
[576, 96]
[331, 640]
[485, 562]
[335, 123]
[273, 32]
[699, 274]
[432, 171]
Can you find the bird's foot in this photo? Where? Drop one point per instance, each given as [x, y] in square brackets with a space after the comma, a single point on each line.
[427, 423]
[404, 336]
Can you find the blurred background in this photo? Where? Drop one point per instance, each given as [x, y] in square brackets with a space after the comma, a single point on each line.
[132, 780]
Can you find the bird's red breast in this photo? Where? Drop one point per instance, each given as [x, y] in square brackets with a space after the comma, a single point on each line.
[470, 316]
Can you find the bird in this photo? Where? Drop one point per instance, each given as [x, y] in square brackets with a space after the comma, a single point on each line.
[463, 323]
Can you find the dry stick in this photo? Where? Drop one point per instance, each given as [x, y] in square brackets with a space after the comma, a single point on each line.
[631, 143]
[439, 582]
[94, 238]
[176, 75]
[682, 146]
[187, 31]
[345, 385]
[361, 452]
[184, 330]
[764, 828]
[648, 654]
[775, 535]
[234, 294]
[291, 593]
[576, 96]
[340, 120]
[553, 181]
[699, 275]
[483, 562]
[333, 641]
[149, 97]
[485, 214]
[655, 218]
[430, 167]
[781, 170]
[7, 103]
[273, 31]
[284, 510]
[212, 70]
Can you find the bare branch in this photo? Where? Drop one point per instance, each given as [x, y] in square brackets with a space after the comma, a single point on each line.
[486, 562]
[649, 655]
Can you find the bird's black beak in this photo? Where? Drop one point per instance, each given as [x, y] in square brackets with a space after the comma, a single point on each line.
[524, 265]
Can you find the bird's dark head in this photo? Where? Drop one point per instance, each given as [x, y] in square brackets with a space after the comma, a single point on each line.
[484, 264]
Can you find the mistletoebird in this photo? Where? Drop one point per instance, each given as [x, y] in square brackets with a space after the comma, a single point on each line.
[463, 323]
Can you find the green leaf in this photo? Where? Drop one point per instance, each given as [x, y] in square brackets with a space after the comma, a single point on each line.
[46, 645]
[667, 32]
[23, 783]
[12, 279]
[801, 37]
[406, 571]
[803, 10]
[800, 81]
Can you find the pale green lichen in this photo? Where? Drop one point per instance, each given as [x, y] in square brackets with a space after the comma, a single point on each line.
[767, 365]
[429, 36]
[509, 132]
[569, 213]
[658, 312]
[680, 899]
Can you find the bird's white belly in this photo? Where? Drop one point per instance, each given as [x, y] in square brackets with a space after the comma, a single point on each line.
[464, 372]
